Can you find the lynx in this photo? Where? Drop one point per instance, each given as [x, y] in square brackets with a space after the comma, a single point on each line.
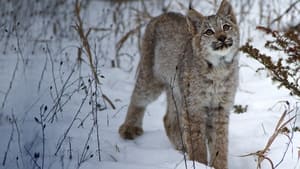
[194, 59]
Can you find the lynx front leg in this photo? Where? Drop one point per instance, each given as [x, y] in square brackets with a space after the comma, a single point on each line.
[195, 138]
[146, 90]
[218, 139]
[132, 127]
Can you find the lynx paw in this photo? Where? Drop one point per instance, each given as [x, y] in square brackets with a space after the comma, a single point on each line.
[130, 132]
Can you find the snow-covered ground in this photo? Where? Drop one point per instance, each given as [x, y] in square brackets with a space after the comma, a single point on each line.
[49, 104]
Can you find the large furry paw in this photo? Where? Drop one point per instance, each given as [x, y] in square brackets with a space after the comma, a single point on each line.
[130, 132]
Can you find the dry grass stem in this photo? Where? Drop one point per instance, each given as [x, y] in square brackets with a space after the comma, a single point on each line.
[133, 31]
[279, 129]
[84, 40]
[293, 5]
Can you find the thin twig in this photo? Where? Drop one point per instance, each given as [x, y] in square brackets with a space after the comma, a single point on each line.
[43, 110]
[59, 97]
[10, 83]
[14, 120]
[96, 119]
[127, 35]
[70, 126]
[84, 40]
[84, 157]
[262, 154]
[109, 101]
[54, 79]
[70, 149]
[32, 158]
[285, 12]
[8, 144]
[42, 74]
[178, 118]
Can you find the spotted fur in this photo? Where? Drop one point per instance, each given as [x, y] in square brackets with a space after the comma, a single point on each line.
[194, 59]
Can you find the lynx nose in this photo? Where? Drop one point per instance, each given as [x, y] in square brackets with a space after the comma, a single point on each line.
[222, 38]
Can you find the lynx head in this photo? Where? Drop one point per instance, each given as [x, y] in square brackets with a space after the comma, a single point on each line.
[215, 37]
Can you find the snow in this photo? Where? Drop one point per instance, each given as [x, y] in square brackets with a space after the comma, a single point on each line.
[22, 138]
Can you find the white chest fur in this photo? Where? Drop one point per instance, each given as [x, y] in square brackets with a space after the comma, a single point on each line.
[220, 56]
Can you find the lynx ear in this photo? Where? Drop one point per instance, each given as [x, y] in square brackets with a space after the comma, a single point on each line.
[194, 19]
[227, 11]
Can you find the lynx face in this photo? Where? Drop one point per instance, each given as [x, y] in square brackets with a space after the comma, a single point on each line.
[219, 36]
[216, 35]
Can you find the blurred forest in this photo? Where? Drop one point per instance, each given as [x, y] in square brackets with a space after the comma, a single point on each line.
[119, 23]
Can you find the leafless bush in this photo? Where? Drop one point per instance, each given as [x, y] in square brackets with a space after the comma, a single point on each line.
[285, 69]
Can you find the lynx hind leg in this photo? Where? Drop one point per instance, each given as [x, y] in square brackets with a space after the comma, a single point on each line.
[172, 130]
[146, 90]
[172, 124]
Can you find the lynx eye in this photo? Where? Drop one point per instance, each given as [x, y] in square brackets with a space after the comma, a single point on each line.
[209, 32]
[226, 27]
